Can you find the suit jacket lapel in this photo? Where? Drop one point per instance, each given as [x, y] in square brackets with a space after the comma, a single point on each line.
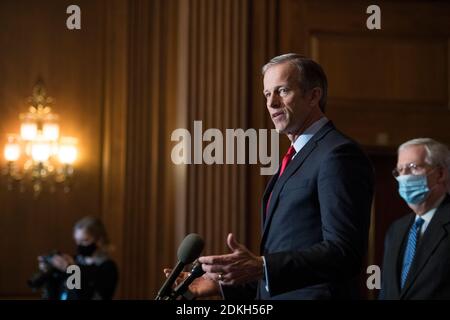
[266, 196]
[435, 232]
[276, 185]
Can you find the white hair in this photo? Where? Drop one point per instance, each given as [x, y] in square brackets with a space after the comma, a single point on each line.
[438, 154]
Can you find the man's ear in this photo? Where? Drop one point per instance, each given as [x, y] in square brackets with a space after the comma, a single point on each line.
[443, 176]
[316, 95]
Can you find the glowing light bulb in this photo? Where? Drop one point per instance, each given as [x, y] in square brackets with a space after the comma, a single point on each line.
[28, 131]
[40, 150]
[67, 150]
[12, 149]
[50, 131]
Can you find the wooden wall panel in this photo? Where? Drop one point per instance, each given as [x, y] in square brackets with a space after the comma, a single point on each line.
[264, 44]
[114, 129]
[140, 69]
[217, 81]
[35, 42]
[223, 89]
[148, 237]
[386, 85]
[390, 70]
[158, 66]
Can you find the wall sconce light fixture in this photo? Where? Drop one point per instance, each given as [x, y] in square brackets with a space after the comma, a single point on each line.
[39, 154]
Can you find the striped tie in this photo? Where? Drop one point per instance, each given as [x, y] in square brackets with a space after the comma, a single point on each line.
[410, 251]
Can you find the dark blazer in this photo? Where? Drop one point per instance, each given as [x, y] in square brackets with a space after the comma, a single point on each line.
[429, 275]
[315, 232]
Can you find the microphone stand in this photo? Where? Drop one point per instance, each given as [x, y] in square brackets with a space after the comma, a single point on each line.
[182, 290]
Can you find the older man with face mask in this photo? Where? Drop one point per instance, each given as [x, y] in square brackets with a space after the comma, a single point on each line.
[417, 247]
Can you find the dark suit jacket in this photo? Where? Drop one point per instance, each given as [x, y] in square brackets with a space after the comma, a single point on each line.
[429, 275]
[316, 229]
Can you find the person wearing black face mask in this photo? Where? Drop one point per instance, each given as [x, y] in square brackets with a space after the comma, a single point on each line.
[86, 250]
[99, 274]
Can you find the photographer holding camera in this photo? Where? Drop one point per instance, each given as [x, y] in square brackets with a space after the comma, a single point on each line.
[99, 273]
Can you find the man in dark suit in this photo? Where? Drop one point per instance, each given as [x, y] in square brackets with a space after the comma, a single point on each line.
[316, 208]
[416, 261]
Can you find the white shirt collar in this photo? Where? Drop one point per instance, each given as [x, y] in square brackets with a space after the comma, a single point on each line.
[427, 216]
[303, 139]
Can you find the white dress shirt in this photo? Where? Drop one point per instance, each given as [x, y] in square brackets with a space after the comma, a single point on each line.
[427, 216]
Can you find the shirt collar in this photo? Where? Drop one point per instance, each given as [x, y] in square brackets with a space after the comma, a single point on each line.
[427, 216]
[303, 139]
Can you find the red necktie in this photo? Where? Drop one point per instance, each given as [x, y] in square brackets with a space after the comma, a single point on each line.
[286, 159]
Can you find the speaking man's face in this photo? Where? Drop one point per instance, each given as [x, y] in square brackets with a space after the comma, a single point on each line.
[287, 105]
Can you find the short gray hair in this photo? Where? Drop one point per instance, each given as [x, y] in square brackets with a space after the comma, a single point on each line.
[311, 73]
[438, 153]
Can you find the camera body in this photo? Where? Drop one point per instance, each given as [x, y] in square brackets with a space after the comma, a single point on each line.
[38, 279]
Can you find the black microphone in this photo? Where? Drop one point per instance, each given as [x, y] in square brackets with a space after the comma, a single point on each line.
[196, 272]
[189, 250]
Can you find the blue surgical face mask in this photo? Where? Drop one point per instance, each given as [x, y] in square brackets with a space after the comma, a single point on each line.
[413, 189]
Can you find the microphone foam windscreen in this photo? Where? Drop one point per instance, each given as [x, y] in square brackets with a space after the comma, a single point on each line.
[190, 248]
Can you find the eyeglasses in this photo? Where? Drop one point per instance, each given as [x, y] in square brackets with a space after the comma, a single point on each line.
[414, 169]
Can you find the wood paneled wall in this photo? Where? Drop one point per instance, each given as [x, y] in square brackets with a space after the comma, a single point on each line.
[114, 129]
[35, 42]
[264, 43]
[224, 45]
[217, 35]
[149, 184]
[140, 69]
[385, 86]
